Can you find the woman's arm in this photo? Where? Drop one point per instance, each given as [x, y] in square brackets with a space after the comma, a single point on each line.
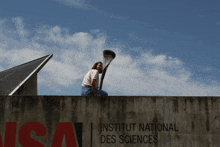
[93, 87]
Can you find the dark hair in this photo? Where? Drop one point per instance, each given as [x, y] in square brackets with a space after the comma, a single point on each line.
[95, 66]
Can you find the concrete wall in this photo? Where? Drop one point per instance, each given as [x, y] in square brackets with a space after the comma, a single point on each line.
[119, 121]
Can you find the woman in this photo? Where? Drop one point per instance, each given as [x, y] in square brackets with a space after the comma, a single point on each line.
[91, 81]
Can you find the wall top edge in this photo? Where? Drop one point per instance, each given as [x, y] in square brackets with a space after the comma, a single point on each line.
[53, 96]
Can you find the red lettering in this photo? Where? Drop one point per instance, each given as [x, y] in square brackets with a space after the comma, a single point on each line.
[62, 129]
[10, 134]
[24, 134]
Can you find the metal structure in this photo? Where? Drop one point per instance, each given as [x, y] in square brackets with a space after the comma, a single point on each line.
[22, 79]
[108, 56]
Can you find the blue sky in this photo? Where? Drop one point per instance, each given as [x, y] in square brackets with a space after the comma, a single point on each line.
[168, 48]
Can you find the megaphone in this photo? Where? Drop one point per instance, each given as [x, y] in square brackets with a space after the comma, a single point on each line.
[108, 56]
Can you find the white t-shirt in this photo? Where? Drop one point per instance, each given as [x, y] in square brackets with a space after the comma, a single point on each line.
[92, 74]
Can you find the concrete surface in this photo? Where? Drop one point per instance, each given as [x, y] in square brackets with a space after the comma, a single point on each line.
[119, 121]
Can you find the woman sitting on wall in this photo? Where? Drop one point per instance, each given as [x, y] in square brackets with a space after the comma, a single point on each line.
[91, 81]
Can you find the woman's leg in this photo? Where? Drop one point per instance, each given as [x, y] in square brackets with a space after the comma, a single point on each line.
[101, 92]
[86, 91]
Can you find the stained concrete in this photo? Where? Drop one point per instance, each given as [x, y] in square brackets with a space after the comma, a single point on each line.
[179, 121]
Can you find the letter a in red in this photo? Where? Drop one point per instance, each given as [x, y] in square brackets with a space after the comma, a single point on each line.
[62, 129]
[10, 134]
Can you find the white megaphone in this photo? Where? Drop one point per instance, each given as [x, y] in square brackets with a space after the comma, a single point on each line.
[108, 56]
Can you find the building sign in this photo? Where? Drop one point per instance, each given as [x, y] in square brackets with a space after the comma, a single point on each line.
[133, 133]
[72, 138]
[75, 121]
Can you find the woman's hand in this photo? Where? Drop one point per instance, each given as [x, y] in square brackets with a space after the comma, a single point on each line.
[97, 96]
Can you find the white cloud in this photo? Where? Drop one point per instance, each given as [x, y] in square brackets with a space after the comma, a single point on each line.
[82, 4]
[20, 27]
[152, 78]
[76, 3]
[74, 55]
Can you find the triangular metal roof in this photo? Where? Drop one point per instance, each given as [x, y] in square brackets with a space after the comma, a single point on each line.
[12, 79]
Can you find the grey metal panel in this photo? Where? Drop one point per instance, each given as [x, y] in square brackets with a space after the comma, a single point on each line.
[11, 78]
